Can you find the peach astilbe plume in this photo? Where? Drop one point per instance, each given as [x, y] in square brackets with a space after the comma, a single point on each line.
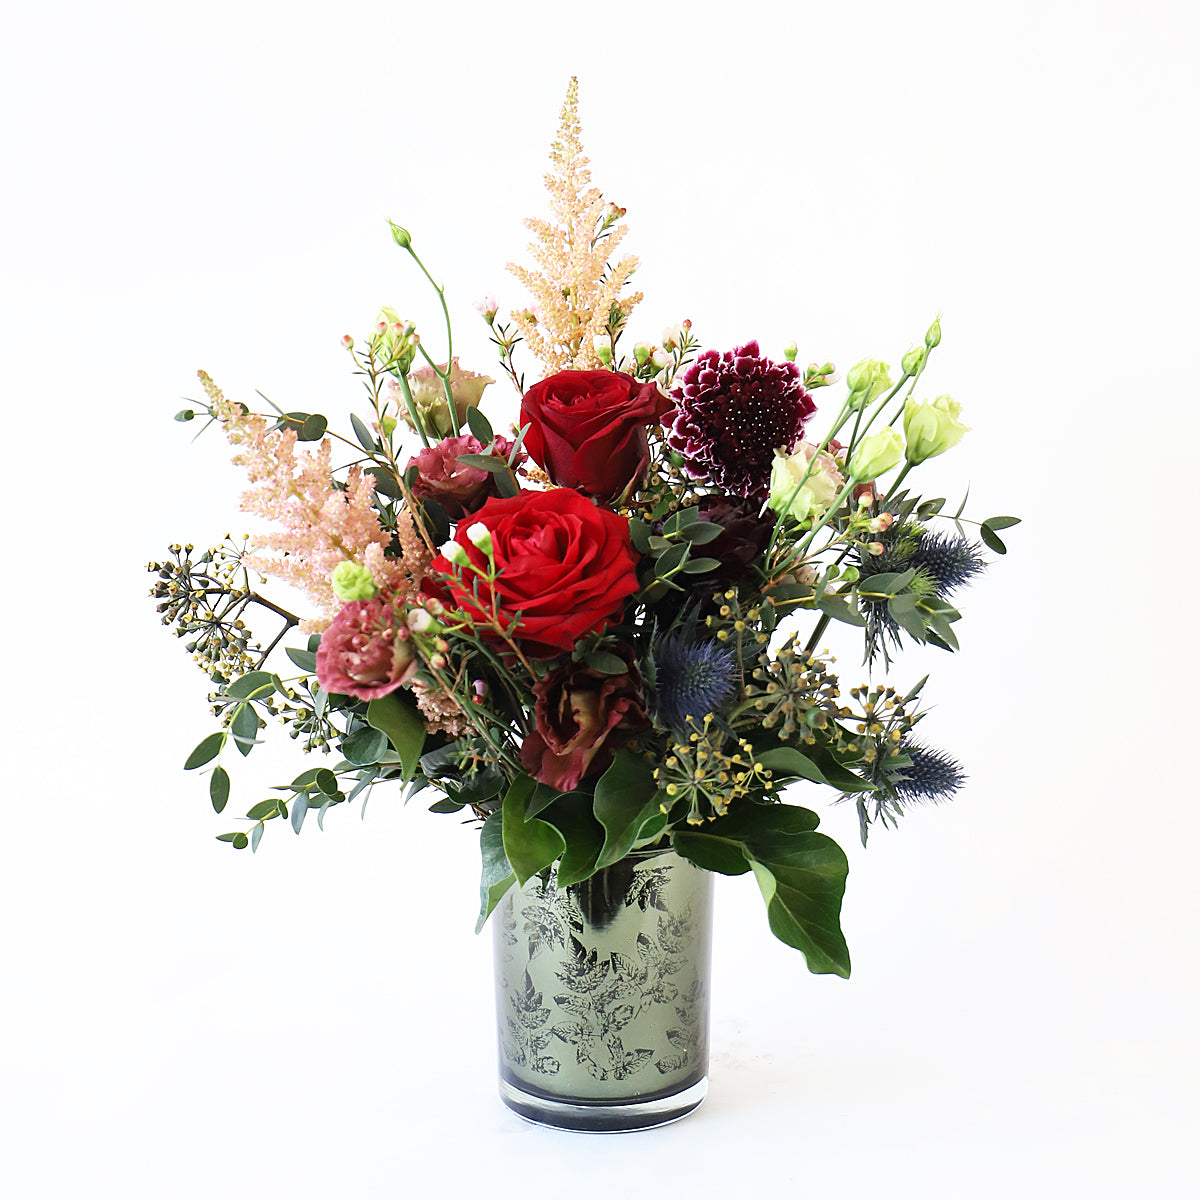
[322, 525]
[575, 291]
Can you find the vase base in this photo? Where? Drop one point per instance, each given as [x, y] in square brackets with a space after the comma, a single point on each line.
[621, 1117]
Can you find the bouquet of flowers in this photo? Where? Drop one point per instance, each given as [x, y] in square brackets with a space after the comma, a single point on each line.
[596, 632]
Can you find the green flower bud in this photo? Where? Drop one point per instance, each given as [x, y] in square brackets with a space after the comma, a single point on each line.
[400, 236]
[389, 425]
[877, 454]
[481, 536]
[352, 582]
[790, 351]
[455, 554]
[913, 361]
[934, 333]
[931, 428]
[867, 380]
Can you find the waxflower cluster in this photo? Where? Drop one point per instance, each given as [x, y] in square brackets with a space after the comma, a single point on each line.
[599, 631]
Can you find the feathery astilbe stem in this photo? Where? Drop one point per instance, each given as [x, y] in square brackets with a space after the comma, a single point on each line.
[575, 291]
[322, 525]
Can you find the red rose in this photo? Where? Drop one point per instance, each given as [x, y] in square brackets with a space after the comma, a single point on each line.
[582, 716]
[587, 429]
[565, 566]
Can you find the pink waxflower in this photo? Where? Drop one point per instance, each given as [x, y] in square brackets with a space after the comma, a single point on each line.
[365, 652]
[460, 489]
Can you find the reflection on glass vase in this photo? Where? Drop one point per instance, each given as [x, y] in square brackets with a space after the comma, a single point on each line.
[602, 995]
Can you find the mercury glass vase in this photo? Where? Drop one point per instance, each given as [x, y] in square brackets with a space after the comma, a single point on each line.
[602, 995]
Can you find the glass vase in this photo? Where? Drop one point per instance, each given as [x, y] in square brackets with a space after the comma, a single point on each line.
[602, 995]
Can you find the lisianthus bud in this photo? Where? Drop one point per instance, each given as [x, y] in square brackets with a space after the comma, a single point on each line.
[400, 236]
[867, 380]
[913, 361]
[931, 428]
[933, 334]
[352, 582]
[877, 454]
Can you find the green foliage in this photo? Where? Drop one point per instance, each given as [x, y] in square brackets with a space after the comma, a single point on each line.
[497, 875]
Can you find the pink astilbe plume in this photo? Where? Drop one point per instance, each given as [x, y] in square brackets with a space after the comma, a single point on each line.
[575, 291]
[322, 525]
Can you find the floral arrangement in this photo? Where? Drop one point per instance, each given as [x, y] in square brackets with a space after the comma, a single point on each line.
[596, 633]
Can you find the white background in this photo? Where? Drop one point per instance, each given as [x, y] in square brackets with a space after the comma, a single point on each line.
[206, 185]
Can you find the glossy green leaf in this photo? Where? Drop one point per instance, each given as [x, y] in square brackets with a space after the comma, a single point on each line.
[206, 751]
[239, 841]
[698, 566]
[497, 875]
[264, 808]
[787, 760]
[672, 559]
[312, 429]
[701, 532]
[529, 845]
[326, 781]
[626, 797]
[582, 834]
[401, 721]
[218, 788]
[606, 663]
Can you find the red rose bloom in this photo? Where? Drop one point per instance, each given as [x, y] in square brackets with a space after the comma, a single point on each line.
[565, 566]
[582, 716]
[587, 429]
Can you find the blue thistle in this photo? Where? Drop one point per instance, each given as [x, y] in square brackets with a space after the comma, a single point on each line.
[691, 678]
[932, 777]
[949, 560]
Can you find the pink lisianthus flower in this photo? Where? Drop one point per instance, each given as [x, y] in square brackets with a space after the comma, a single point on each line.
[460, 489]
[365, 652]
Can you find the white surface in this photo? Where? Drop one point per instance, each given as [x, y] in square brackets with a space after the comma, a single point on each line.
[206, 185]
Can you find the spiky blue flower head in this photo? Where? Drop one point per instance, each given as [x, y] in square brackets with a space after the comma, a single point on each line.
[691, 678]
[933, 776]
[949, 560]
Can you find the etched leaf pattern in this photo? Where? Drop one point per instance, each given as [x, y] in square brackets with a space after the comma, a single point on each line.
[602, 993]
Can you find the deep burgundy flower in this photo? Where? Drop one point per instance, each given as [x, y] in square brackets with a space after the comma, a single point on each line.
[733, 411]
[365, 652]
[745, 536]
[582, 716]
[458, 488]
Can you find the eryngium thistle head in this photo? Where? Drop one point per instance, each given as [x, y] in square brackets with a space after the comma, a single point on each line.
[932, 777]
[732, 412]
[949, 560]
[692, 679]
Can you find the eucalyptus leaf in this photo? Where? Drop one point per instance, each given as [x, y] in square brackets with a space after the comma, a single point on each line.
[239, 841]
[365, 746]
[671, 560]
[206, 751]
[299, 810]
[312, 429]
[480, 426]
[256, 836]
[264, 808]
[699, 566]
[991, 540]
[385, 482]
[244, 727]
[484, 462]
[306, 660]
[256, 685]
[1002, 522]
[366, 439]
[903, 610]
[606, 663]
[837, 608]
[700, 532]
[218, 788]
[639, 535]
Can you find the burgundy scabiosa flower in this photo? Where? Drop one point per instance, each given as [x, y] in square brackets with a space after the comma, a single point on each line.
[732, 413]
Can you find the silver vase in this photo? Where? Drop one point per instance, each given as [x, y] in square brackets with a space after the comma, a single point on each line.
[602, 995]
